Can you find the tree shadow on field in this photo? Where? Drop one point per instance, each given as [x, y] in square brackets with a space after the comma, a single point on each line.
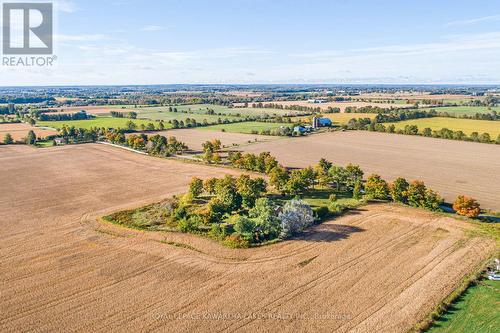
[329, 233]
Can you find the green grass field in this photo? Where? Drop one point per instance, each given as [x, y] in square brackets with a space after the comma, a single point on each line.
[466, 125]
[167, 116]
[106, 122]
[203, 108]
[465, 110]
[475, 311]
[246, 127]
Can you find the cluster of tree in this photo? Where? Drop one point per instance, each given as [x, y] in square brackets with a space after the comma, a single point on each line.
[81, 115]
[117, 114]
[492, 116]
[131, 126]
[211, 151]
[415, 194]
[156, 145]
[9, 109]
[264, 162]
[71, 134]
[281, 131]
[401, 115]
[7, 119]
[305, 109]
[25, 99]
[238, 211]
[370, 109]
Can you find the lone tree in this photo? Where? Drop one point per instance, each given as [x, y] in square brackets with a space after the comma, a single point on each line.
[466, 206]
[8, 139]
[196, 187]
[31, 139]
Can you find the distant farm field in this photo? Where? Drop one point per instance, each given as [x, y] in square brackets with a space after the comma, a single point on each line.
[106, 122]
[343, 105]
[465, 125]
[464, 110]
[19, 131]
[246, 127]
[380, 269]
[224, 110]
[169, 116]
[450, 167]
[95, 110]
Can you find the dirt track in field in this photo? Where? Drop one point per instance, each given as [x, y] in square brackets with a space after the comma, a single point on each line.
[20, 131]
[381, 268]
[194, 138]
[450, 167]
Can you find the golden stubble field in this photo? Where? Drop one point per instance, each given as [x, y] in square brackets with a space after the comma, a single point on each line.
[381, 268]
[450, 167]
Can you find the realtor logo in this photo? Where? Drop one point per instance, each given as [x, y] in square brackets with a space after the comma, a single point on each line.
[27, 28]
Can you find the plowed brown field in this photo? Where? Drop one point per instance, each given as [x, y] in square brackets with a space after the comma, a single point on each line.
[450, 167]
[379, 269]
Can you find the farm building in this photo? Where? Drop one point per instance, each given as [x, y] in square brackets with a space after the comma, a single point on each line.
[321, 122]
[300, 129]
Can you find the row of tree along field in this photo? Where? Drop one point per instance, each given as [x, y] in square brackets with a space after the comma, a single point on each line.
[444, 133]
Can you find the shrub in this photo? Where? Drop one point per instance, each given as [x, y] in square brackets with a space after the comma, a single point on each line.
[332, 197]
[236, 241]
[467, 206]
[322, 212]
[190, 224]
[295, 217]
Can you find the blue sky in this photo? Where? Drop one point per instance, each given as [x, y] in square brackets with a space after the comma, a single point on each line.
[257, 41]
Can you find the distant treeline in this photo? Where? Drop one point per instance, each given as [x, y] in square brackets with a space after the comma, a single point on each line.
[82, 115]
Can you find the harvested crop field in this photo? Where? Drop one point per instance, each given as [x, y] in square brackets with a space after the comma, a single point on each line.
[194, 138]
[381, 268]
[20, 131]
[450, 167]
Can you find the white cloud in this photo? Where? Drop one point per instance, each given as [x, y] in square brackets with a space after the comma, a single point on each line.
[152, 28]
[80, 38]
[490, 18]
[66, 6]
[454, 43]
